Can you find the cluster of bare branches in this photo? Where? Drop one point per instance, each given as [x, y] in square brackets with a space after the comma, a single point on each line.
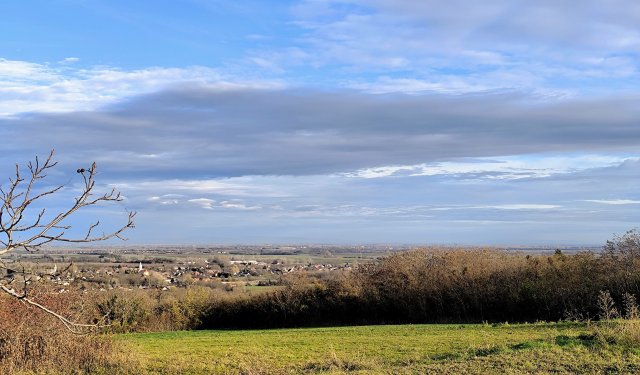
[22, 228]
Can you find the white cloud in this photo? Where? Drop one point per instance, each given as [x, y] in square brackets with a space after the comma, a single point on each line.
[166, 199]
[70, 60]
[227, 187]
[206, 203]
[169, 202]
[442, 84]
[32, 87]
[420, 212]
[521, 207]
[203, 203]
[13, 72]
[613, 201]
[499, 168]
[238, 205]
[537, 45]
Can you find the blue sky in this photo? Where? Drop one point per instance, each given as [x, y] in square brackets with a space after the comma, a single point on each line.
[321, 121]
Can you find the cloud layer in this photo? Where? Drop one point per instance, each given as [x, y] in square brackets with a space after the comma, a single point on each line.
[553, 47]
[198, 131]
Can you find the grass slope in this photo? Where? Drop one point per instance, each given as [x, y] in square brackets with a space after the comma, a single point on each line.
[481, 349]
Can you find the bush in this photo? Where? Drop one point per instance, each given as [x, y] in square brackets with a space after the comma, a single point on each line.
[433, 285]
[145, 310]
[626, 246]
[121, 314]
[32, 341]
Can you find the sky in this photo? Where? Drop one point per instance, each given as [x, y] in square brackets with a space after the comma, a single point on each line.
[498, 122]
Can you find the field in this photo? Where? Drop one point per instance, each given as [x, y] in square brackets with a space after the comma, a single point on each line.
[504, 348]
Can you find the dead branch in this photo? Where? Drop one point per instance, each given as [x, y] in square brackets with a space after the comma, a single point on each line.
[21, 229]
[74, 327]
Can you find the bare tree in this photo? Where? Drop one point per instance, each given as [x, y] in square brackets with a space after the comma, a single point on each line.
[626, 246]
[23, 226]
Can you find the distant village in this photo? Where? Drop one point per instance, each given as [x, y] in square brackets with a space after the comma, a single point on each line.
[166, 267]
[108, 271]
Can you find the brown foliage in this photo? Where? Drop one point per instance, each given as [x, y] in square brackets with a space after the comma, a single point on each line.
[32, 341]
[144, 310]
[436, 285]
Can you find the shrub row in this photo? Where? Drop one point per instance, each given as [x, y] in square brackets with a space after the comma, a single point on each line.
[429, 286]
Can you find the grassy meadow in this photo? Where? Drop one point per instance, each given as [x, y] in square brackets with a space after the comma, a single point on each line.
[474, 348]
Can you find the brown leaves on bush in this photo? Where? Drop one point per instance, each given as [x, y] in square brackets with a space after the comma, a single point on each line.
[32, 341]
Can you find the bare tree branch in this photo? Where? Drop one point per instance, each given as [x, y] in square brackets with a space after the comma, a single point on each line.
[74, 327]
[21, 230]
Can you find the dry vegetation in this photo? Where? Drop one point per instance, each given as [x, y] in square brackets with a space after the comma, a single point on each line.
[33, 341]
[431, 286]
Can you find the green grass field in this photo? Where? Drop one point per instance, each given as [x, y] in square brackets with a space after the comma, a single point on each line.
[522, 348]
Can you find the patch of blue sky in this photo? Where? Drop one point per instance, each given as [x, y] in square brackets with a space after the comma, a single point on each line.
[139, 34]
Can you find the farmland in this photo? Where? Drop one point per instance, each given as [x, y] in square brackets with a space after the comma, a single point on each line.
[480, 348]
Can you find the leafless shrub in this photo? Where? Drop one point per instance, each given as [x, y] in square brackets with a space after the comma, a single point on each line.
[631, 311]
[573, 315]
[606, 306]
[33, 343]
[624, 246]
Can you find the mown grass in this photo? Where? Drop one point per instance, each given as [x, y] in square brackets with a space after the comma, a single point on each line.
[522, 348]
